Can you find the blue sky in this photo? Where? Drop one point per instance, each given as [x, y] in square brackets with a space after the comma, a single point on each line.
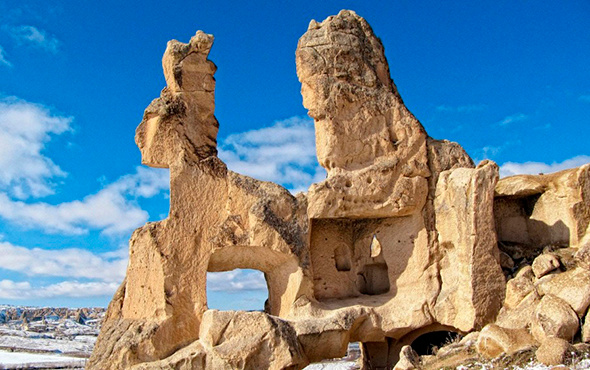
[507, 80]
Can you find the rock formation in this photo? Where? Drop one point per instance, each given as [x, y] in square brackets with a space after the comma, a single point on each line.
[405, 237]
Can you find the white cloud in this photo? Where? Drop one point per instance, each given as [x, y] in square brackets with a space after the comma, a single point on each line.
[23, 290]
[534, 168]
[70, 263]
[3, 60]
[283, 153]
[25, 128]
[113, 210]
[513, 118]
[462, 108]
[236, 280]
[35, 37]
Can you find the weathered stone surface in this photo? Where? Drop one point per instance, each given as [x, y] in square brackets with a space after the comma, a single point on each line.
[544, 264]
[544, 209]
[473, 282]
[494, 340]
[519, 287]
[554, 351]
[521, 315]
[586, 329]
[238, 340]
[347, 89]
[400, 240]
[408, 360]
[554, 317]
[168, 127]
[572, 286]
[582, 255]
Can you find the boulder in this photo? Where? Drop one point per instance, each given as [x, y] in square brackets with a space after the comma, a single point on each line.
[586, 329]
[544, 264]
[553, 317]
[408, 359]
[572, 286]
[582, 255]
[554, 351]
[521, 315]
[494, 340]
[237, 340]
[519, 287]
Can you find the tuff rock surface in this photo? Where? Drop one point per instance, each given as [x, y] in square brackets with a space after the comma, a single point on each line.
[404, 238]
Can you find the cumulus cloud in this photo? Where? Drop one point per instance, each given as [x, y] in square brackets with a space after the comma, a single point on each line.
[512, 119]
[113, 209]
[25, 129]
[283, 153]
[534, 168]
[69, 263]
[33, 36]
[24, 290]
[3, 60]
[236, 280]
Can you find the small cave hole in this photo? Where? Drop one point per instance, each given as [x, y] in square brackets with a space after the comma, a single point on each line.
[369, 180]
[348, 184]
[343, 258]
[373, 279]
[239, 289]
[429, 343]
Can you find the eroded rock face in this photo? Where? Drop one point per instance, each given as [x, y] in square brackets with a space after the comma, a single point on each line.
[399, 241]
[347, 88]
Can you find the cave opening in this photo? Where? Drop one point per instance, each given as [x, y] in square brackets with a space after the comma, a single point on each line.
[429, 343]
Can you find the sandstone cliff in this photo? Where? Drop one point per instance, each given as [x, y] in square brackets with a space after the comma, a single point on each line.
[403, 238]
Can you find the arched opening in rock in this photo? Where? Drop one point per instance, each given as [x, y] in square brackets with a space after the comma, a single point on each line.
[429, 343]
[238, 289]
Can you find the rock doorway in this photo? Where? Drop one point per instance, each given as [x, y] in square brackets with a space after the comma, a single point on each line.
[429, 343]
[238, 289]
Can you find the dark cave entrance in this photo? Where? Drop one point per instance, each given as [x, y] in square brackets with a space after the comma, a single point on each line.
[429, 343]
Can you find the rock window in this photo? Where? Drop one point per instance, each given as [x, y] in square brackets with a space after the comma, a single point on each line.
[239, 289]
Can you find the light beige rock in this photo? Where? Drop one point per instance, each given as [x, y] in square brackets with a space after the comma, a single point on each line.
[544, 264]
[582, 255]
[519, 287]
[400, 240]
[473, 284]
[586, 329]
[554, 351]
[238, 340]
[351, 95]
[544, 209]
[571, 286]
[494, 340]
[554, 317]
[521, 315]
[409, 359]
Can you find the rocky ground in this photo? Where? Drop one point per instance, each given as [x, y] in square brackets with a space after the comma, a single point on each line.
[63, 338]
[52, 338]
[47, 338]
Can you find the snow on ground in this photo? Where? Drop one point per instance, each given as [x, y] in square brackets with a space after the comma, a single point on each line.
[341, 365]
[19, 360]
[46, 344]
